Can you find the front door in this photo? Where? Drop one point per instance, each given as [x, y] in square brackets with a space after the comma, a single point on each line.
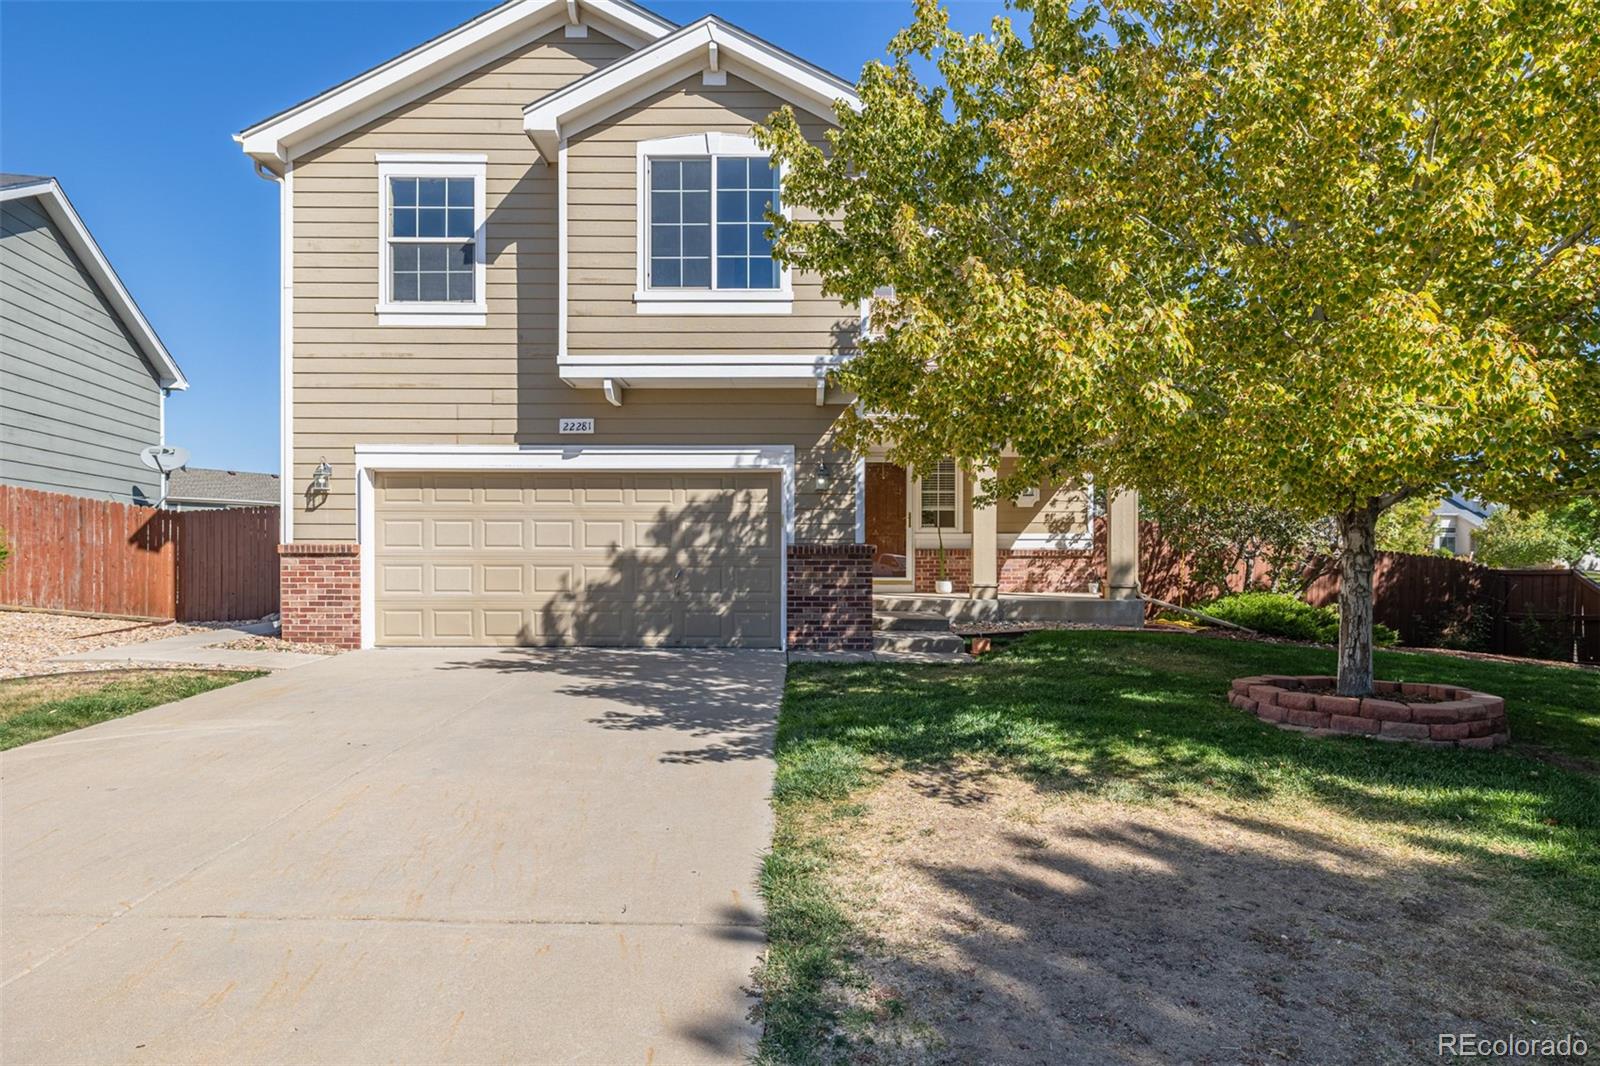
[886, 520]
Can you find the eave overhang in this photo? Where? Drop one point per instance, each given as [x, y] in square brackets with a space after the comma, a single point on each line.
[710, 45]
[274, 141]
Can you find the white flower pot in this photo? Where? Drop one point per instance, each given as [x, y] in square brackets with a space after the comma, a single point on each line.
[945, 587]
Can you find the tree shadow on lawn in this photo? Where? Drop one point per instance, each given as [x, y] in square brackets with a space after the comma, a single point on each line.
[1138, 717]
[1024, 929]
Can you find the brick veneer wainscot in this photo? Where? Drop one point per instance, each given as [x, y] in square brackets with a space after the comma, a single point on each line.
[830, 597]
[321, 593]
[1020, 569]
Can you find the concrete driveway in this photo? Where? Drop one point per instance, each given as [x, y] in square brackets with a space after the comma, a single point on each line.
[406, 856]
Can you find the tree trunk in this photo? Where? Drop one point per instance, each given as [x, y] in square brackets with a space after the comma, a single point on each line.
[1358, 535]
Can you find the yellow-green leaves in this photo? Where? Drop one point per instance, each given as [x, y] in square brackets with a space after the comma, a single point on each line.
[1314, 253]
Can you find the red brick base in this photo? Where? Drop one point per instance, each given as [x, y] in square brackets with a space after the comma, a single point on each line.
[1021, 569]
[321, 593]
[1446, 716]
[830, 597]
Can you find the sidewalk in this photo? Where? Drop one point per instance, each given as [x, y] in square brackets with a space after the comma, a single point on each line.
[194, 649]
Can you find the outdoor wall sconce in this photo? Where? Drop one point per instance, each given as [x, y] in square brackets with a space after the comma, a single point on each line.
[321, 483]
[824, 476]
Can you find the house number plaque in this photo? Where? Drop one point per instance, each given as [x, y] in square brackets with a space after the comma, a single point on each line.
[577, 425]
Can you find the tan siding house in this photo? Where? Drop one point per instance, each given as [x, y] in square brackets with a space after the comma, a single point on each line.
[543, 381]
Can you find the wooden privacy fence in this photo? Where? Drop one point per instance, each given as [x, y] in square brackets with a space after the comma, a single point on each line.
[70, 553]
[1548, 614]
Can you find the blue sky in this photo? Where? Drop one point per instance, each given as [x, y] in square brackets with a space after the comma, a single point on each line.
[133, 106]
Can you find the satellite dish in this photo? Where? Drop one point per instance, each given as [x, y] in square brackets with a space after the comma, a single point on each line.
[164, 458]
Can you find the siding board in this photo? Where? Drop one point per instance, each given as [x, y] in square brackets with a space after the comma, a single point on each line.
[77, 399]
[358, 383]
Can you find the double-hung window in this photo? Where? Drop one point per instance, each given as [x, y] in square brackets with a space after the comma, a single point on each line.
[938, 497]
[431, 241]
[704, 227]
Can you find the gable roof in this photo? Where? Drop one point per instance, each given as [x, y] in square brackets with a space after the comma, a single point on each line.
[203, 485]
[709, 44]
[351, 104]
[1471, 507]
[61, 212]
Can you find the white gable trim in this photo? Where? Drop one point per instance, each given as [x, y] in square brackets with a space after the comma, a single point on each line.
[710, 45]
[436, 63]
[61, 212]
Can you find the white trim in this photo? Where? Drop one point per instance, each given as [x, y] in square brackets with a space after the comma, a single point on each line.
[755, 370]
[713, 302]
[861, 499]
[373, 459]
[65, 216]
[671, 58]
[286, 354]
[437, 62]
[916, 505]
[1046, 541]
[434, 165]
[710, 301]
[561, 250]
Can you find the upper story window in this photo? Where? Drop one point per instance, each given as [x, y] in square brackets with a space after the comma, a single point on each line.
[431, 241]
[712, 211]
[703, 245]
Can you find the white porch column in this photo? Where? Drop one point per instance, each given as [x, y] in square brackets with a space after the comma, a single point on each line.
[1122, 546]
[985, 546]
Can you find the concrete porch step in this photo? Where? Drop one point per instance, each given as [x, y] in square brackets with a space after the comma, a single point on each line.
[910, 621]
[1016, 607]
[946, 643]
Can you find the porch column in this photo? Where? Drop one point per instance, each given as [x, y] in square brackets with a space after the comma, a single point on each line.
[1122, 546]
[985, 546]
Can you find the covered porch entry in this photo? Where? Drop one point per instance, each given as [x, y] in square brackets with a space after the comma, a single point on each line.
[1051, 539]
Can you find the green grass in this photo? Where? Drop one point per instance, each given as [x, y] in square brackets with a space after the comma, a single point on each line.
[1139, 717]
[34, 708]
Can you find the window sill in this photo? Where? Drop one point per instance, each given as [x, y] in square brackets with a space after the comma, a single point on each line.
[420, 314]
[713, 302]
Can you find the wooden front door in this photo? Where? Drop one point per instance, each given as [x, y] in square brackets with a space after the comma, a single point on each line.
[886, 519]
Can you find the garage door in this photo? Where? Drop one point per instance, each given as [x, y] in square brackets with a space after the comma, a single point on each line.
[668, 560]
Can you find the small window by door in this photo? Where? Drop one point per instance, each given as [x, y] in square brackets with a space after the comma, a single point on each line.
[938, 497]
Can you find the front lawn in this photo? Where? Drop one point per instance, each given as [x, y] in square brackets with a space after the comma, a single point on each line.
[1077, 839]
[32, 708]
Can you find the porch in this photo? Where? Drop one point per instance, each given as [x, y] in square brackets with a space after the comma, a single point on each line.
[1046, 555]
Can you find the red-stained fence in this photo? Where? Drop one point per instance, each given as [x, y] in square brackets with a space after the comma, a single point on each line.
[70, 553]
[1548, 613]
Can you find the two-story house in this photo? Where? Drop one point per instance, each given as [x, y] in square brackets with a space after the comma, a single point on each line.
[543, 381]
[83, 377]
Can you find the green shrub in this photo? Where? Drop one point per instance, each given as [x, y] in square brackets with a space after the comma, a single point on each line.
[1278, 615]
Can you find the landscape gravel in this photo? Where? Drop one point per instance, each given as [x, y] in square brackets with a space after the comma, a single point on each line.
[29, 639]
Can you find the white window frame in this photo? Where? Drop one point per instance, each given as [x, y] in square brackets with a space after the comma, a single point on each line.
[916, 498]
[712, 301]
[433, 165]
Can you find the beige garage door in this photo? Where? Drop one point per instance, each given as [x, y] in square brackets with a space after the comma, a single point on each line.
[669, 560]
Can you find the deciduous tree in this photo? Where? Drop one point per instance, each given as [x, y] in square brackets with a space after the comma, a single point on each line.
[1325, 255]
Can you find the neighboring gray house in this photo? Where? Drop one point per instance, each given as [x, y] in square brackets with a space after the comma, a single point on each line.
[198, 489]
[83, 377]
